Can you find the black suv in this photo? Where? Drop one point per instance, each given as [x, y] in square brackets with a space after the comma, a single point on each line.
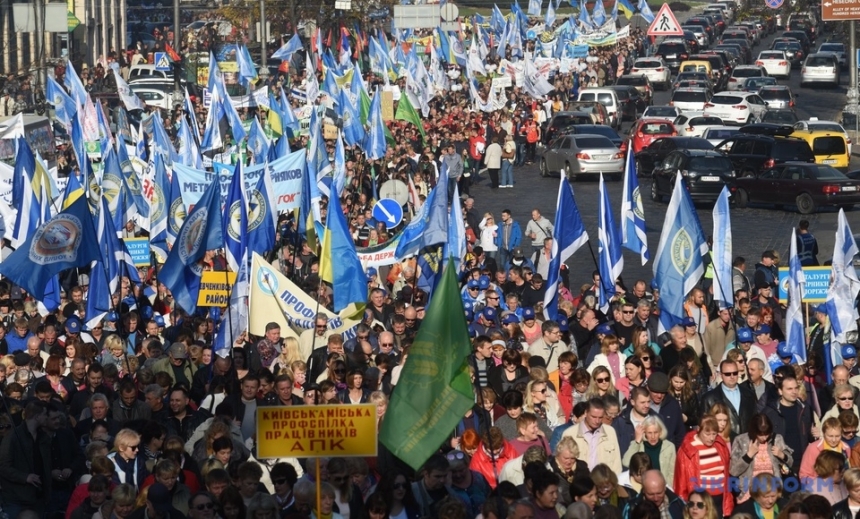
[759, 147]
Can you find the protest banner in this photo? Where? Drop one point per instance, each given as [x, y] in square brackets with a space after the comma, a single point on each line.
[215, 288]
[139, 250]
[379, 255]
[317, 431]
[815, 289]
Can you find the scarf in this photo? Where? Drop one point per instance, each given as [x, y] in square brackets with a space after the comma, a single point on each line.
[267, 351]
[653, 452]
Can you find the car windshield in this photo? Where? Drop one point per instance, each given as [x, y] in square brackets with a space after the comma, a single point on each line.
[726, 100]
[593, 142]
[661, 111]
[824, 172]
[689, 96]
[656, 128]
[715, 164]
[719, 133]
[832, 47]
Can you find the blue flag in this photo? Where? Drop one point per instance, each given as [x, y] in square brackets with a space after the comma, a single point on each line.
[456, 245]
[159, 207]
[569, 236]
[76, 88]
[339, 263]
[610, 261]
[247, 70]
[338, 178]
[189, 153]
[64, 106]
[31, 190]
[598, 14]
[258, 143]
[722, 252]
[288, 117]
[678, 264]
[844, 286]
[374, 144]
[66, 241]
[645, 11]
[286, 52]
[235, 221]
[633, 212]
[132, 181]
[201, 231]
[353, 130]
[176, 211]
[429, 226]
[795, 333]
[584, 18]
[262, 217]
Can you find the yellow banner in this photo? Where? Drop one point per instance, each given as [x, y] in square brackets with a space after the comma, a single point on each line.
[274, 298]
[215, 288]
[316, 431]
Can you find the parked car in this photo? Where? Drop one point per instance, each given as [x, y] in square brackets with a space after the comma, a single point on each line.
[642, 85]
[596, 129]
[804, 185]
[814, 123]
[630, 100]
[704, 173]
[829, 147]
[573, 155]
[690, 99]
[739, 74]
[658, 150]
[673, 52]
[838, 49]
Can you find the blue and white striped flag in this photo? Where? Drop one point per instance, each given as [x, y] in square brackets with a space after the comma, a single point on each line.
[844, 286]
[569, 236]
[795, 336]
[610, 261]
[722, 252]
[633, 235]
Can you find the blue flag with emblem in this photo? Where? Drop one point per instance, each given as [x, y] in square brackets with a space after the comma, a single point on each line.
[235, 221]
[584, 18]
[258, 143]
[430, 225]
[633, 236]
[247, 70]
[844, 286]
[201, 231]
[122, 208]
[570, 235]
[31, 190]
[176, 211]
[678, 264]
[262, 218]
[645, 11]
[132, 181]
[76, 88]
[795, 333]
[189, 153]
[286, 52]
[375, 145]
[158, 208]
[66, 241]
[353, 130]
[598, 14]
[610, 261]
[64, 106]
[722, 252]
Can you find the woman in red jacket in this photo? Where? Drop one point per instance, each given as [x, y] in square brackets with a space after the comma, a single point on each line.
[492, 455]
[703, 464]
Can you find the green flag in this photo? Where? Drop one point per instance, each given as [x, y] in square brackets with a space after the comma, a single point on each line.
[406, 112]
[435, 389]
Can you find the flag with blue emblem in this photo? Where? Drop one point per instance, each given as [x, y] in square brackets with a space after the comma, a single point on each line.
[104, 278]
[844, 286]
[212, 138]
[262, 218]
[722, 252]
[286, 52]
[66, 241]
[258, 143]
[375, 145]
[569, 236]
[353, 130]
[598, 13]
[64, 106]
[318, 156]
[534, 7]
[330, 86]
[201, 231]
[288, 117]
[115, 188]
[189, 154]
[795, 333]
[429, 226]
[31, 193]
[678, 264]
[76, 88]
[645, 11]
[584, 18]
[132, 181]
[159, 206]
[176, 211]
[610, 261]
[235, 221]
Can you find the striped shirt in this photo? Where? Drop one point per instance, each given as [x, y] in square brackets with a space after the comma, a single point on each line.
[712, 468]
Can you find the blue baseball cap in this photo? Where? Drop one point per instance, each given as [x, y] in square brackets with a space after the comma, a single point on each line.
[511, 319]
[371, 273]
[762, 329]
[470, 315]
[159, 320]
[73, 325]
[528, 313]
[473, 332]
[146, 312]
[849, 351]
[783, 351]
[561, 319]
[822, 308]
[604, 329]
[489, 313]
[483, 282]
[688, 321]
[745, 335]
[473, 283]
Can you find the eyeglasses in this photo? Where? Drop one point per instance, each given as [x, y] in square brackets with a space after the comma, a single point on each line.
[401, 486]
[279, 481]
[845, 398]
[645, 358]
[730, 373]
[387, 344]
[627, 312]
[472, 288]
[696, 504]
[539, 390]
[455, 455]
[204, 506]
[493, 298]
[340, 371]
[134, 447]
[601, 380]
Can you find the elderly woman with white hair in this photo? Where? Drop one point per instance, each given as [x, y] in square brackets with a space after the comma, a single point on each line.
[650, 438]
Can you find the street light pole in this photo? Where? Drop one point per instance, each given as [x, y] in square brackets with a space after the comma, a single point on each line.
[177, 46]
[264, 38]
[852, 96]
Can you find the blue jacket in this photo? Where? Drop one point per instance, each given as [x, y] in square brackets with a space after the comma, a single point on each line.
[16, 342]
[624, 429]
[516, 235]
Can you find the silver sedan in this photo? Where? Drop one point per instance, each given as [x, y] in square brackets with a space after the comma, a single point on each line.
[583, 154]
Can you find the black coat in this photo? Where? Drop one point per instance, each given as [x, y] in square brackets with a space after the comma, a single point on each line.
[738, 419]
[17, 461]
[495, 377]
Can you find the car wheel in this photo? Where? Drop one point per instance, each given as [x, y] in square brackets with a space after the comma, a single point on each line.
[805, 204]
[640, 169]
[743, 199]
[544, 171]
[655, 193]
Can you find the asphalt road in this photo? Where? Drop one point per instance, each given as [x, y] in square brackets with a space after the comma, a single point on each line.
[754, 229]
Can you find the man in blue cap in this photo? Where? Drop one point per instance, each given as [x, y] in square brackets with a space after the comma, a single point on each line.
[849, 359]
[472, 293]
[600, 332]
[486, 321]
[745, 341]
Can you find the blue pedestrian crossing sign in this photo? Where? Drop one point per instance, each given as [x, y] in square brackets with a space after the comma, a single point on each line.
[162, 62]
[388, 211]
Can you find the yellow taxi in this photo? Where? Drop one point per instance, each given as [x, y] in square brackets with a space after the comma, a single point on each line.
[829, 147]
[696, 66]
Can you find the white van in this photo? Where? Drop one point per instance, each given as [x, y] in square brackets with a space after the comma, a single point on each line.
[608, 98]
[145, 71]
